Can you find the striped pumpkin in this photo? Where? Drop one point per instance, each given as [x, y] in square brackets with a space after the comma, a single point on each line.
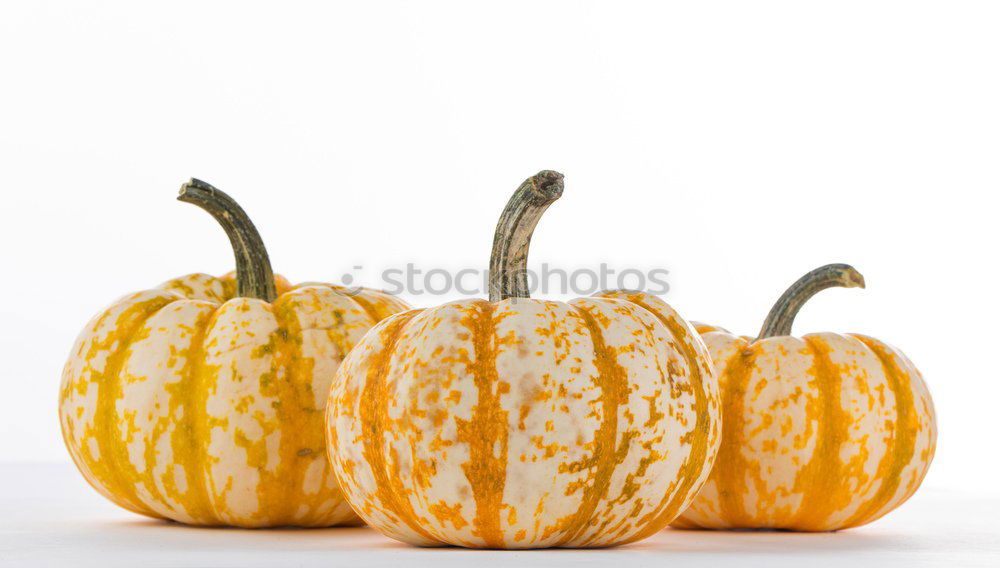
[520, 423]
[820, 433]
[202, 400]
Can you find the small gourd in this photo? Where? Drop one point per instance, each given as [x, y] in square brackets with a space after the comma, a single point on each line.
[820, 433]
[523, 423]
[202, 400]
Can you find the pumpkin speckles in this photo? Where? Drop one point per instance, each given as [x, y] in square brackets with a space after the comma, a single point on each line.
[520, 423]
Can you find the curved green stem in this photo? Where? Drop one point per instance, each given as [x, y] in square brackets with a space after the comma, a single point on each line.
[509, 259]
[254, 278]
[779, 319]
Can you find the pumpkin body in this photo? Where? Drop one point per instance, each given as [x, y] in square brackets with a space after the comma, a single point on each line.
[184, 403]
[524, 423]
[820, 433]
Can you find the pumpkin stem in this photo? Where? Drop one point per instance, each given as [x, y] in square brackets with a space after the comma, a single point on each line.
[509, 260]
[779, 319]
[254, 278]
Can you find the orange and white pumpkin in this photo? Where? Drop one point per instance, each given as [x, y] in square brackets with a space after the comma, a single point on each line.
[521, 423]
[820, 433]
[202, 400]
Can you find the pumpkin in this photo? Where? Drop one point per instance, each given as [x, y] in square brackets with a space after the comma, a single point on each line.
[523, 423]
[819, 433]
[202, 400]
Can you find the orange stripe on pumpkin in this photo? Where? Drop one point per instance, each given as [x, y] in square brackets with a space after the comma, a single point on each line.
[485, 432]
[113, 466]
[186, 441]
[820, 479]
[300, 423]
[367, 306]
[730, 463]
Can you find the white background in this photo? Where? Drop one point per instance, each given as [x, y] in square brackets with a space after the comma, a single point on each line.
[737, 145]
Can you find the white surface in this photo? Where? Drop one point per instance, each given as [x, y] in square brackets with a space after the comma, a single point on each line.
[50, 517]
[737, 144]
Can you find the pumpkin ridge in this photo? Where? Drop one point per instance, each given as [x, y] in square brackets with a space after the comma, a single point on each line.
[278, 505]
[818, 479]
[117, 471]
[147, 477]
[612, 379]
[184, 438]
[374, 416]
[730, 461]
[365, 305]
[175, 391]
[891, 466]
[485, 471]
[696, 459]
[208, 383]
